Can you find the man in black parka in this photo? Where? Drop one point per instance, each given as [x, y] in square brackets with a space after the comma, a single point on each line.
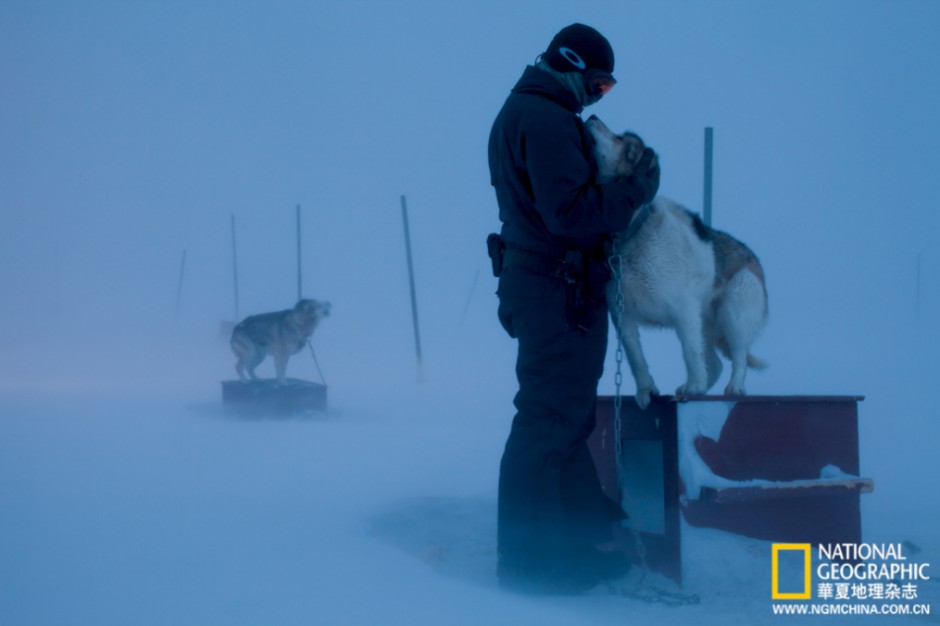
[551, 259]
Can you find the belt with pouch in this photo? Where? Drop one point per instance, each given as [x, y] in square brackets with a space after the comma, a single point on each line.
[568, 268]
[583, 291]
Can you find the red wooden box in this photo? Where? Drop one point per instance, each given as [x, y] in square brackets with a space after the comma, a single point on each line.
[780, 468]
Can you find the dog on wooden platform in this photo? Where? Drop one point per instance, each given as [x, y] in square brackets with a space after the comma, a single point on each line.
[279, 334]
[676, 272]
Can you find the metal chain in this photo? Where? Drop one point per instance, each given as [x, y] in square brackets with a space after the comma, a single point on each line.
[655, 595]
[640, 591]
[618, 376]
[316, 362]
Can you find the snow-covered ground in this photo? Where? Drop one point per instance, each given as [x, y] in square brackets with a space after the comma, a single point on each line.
[142, 505]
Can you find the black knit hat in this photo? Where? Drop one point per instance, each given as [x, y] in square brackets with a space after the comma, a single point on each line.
[577, 48]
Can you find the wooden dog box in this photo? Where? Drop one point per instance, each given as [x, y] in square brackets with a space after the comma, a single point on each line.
[267, 397]
[779, 468]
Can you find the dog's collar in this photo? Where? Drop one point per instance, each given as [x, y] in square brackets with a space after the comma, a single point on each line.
[637, 222]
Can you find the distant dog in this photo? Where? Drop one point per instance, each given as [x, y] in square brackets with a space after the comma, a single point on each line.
[679, 273]
[279, 334]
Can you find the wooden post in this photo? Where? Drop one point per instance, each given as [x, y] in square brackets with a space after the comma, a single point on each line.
[917, 292]
[235, 267]
[411, 284]
[466, 307]
[707, 200]
[179, 286]
[300, 290]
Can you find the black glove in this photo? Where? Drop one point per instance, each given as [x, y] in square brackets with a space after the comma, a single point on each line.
[646, 175]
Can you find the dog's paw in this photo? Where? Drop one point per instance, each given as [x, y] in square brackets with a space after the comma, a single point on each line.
[691, 389]
[735, 390]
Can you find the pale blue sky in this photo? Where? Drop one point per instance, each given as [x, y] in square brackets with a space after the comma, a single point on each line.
[130, 131]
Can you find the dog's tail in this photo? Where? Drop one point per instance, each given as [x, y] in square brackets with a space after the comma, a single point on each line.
[239, 341]
[755, 363]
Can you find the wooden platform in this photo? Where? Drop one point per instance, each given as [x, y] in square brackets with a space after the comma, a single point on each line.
[267, 397]
[779, 468]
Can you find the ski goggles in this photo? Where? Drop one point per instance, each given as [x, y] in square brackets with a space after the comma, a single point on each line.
[598, 81]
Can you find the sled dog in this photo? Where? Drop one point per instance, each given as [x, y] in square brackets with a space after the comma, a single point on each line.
[676, 272]
[279, 334]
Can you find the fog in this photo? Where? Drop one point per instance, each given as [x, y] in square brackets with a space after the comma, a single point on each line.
[131, 133]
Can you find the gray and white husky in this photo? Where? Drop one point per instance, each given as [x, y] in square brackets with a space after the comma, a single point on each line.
[679, 273]
[279, 334]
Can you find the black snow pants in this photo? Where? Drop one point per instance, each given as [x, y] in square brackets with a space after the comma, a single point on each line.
[552, 511]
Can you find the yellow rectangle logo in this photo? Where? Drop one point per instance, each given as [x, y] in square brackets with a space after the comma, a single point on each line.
[775, 593]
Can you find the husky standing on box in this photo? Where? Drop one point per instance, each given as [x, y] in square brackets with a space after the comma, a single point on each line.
[279, 334]
[679, 273]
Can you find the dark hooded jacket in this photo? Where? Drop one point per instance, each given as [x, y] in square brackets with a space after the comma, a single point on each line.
[543, 169]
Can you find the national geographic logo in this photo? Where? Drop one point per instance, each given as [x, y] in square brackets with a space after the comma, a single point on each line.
[794, 548]
[845, 571]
